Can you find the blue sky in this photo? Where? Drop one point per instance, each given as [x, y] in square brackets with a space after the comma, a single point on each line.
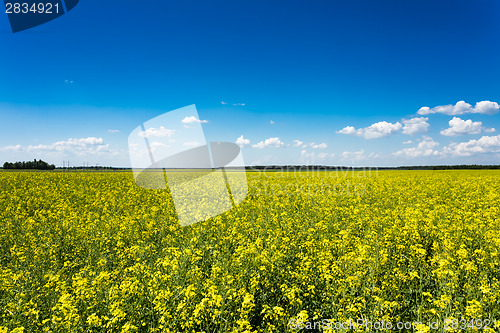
[324, 72]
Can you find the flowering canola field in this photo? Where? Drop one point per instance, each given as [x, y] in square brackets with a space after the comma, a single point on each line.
[93, 252]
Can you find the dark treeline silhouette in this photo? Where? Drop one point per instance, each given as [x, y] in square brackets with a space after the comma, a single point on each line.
[99, 167]
[34, 165]
[333, 168]
[446, 167]
[41, 165]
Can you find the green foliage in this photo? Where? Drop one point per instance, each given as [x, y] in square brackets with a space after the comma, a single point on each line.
[93, 252]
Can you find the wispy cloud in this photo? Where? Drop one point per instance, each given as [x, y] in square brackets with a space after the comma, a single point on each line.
[299, 144]
[90, 145]
[313, 157]
[356, 156]
[318, 146]
[234, 104]
[156, 144]
[13, 148]
[113, 131]
[157, 132]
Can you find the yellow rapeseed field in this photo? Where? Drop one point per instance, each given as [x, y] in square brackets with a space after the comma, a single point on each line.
[93, 252]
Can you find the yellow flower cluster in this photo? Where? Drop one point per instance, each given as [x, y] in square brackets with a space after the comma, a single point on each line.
[93, 252]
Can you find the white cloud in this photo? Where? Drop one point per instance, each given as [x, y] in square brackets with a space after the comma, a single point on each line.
[271, 142]
[357, 155]
[271, 122]
[223, 103]
[313, 157]
[426, 147]
[349, 130]
[353, 155]
[325, 155]
[461, 127]
[90, 145]
[13, 148]
[239, 104]
[486, 107]
[409, 142]
[486, 144]
[374, 131]
[242, 142]
[415, 125]
[319, 146]
[192, 120]
[155, 145]
[298, 143]
[156, 132]
[113, 131]
[483, 107]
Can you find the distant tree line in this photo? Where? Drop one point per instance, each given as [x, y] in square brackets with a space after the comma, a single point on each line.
[41, 165]
[446, 167]
[34, 165]
[99, 167]
[333, 168]
[302, 167]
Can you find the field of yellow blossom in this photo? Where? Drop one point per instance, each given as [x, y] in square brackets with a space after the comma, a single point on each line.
[93, 252]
